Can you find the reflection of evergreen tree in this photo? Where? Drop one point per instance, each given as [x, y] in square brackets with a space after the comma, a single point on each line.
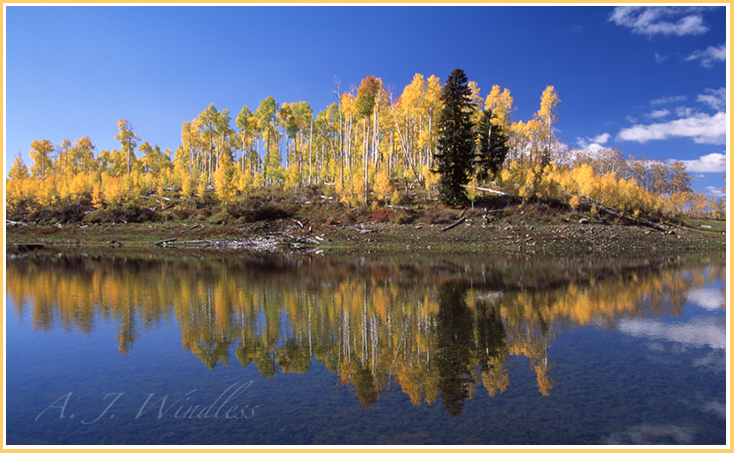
[364, 386]
[128, 331]
[491, 336]
[492, 350]
[455, 347]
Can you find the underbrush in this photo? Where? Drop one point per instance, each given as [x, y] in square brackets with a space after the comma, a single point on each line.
[317, 205]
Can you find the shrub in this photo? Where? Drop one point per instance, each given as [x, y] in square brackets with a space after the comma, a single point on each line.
[439, 217]
[383, 215]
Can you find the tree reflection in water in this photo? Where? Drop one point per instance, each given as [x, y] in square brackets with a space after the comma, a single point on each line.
[433, 327]
[456, 348]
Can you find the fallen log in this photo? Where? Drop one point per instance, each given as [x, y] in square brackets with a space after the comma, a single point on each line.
[360, 229]
[498, 192]
[23, 248]
[455, 224]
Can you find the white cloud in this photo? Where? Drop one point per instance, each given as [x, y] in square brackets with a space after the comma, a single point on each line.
[684, 112]
[593, 144]
[709, 56]
[660, 58]
[601, 138]
[700, 127]
[631, 119]
[654, 20]
[716, 99]
[710, 163]
[716, 191]
[593, 147]
[659, 113]
[668, 100]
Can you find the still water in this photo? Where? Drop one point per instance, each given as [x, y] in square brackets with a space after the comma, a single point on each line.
[236, 350]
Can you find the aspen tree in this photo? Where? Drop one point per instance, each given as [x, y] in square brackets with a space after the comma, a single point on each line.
[41, 153]
[246, 123]
[382, 186]
[18, 170]
[128, 141]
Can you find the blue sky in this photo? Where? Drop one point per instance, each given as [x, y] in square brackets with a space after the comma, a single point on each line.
[649, 80]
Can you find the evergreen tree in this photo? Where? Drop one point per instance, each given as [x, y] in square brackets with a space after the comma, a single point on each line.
[493, 147]
[455, 148]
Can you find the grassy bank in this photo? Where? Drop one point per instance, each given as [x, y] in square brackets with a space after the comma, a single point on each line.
[309, 221]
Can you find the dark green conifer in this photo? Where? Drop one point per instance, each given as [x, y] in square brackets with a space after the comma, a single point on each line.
[492, 147]
[456, 145]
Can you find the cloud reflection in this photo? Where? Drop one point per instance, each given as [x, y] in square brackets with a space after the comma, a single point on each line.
[708, 298]
[652, 434]
[697, 333]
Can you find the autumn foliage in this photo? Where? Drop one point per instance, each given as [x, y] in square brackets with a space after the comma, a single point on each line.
[364, 148]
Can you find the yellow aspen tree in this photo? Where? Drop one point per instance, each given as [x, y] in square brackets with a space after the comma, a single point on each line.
[472, 192]
[258, 180]
[41, 153]
[500, 103]
[18, 170]
[584, 177]
[114, 190]
[128, 141]
[546, 117]
[14, 194]
[292, 177]
[510, 178]
[187, 187]
[431, 107]
[224, 186]
[395, 197]
[134, 185]
[354, 190]
[339, 189]
[47, 195]
[201, 188]
[430, 178]
[575, 202]
[80, 185]
[475, 99]
[97, 196]
[519, 141]
[244, 181]
[382, 186]
[160, 191]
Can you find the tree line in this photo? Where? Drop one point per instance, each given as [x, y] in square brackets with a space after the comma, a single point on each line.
[363, 148]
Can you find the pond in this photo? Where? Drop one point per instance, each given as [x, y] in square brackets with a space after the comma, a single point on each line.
[230, 349]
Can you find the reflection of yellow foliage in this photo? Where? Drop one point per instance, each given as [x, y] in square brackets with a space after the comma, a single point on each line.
[495, 379]
[387, 327]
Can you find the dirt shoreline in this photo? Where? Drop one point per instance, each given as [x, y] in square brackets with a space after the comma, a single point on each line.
[474, 234]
